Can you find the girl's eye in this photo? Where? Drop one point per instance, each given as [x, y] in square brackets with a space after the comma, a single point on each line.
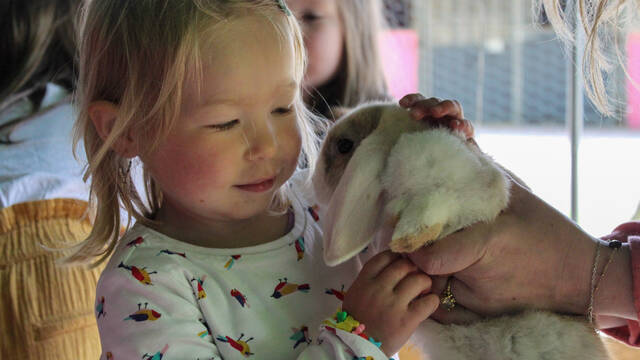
[225, 126]
[283, 110]
[309, 17]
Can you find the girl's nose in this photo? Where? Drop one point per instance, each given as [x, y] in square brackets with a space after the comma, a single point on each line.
[263, 141]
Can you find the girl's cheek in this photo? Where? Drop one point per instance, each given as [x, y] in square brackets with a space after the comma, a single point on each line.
[180, 167]
[205, 169]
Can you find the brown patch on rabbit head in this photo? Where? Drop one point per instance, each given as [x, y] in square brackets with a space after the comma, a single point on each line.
[344, 138]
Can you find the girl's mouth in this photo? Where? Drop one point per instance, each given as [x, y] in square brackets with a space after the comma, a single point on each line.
[260, 186]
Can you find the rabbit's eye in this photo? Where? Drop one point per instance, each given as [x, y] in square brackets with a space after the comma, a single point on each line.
[344, 146]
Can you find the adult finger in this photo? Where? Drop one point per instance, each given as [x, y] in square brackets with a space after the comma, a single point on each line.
[463, 294]
[459, 312]
[438, 284]
[452, 253]
[458, 315]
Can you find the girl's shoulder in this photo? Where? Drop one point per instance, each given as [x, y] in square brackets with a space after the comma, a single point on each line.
[139, 245]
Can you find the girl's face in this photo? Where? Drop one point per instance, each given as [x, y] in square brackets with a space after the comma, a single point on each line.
[323, 37]
[237, 141]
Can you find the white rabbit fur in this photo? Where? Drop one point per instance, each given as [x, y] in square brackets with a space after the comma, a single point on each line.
[379, 172]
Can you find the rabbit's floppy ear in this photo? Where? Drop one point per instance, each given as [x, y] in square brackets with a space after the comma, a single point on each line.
[355, 208]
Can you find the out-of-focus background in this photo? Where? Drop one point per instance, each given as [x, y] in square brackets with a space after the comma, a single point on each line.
[502, 61]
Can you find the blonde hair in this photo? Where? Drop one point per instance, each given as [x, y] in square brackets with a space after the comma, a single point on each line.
[359, 77]
[38, 46]
[601, 21]
[118, 40]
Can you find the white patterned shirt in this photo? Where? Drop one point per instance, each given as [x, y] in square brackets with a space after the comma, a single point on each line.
[160, 298]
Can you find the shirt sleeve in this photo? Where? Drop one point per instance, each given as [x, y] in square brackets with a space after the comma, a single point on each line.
[146, 311]
[629, 232]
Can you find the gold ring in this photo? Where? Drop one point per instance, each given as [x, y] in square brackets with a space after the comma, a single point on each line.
[448, 300]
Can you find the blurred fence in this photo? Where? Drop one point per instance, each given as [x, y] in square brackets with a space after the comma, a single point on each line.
[497, 59]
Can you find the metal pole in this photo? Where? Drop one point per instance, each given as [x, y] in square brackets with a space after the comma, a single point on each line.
[575, 113]
[423, 25]
[517, 76]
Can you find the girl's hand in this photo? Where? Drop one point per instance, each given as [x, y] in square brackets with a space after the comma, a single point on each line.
[438, 112]
[390, 298]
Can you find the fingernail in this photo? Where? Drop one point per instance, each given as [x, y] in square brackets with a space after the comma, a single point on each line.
[456, 123]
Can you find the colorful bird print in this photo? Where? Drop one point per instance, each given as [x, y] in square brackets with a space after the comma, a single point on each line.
[137, 241]
[337, 293]
[285, 288]
[140, 274]
[201, 293]
[313, 210]
[205, 332]
[231, 261]
[300, 336]
[239, 344]
[144, 314]
[299, 243]
[156, 356]
[100, 308]
[169, 252]
[240, 297]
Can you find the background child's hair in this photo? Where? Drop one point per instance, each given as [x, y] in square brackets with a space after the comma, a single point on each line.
[137, 55]
[37, 46]
[359, 77]
[602, 21]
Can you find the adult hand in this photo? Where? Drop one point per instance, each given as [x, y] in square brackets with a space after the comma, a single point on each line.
[531, 256]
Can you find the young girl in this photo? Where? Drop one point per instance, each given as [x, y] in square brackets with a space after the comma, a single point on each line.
[341, 37]
[225, 260]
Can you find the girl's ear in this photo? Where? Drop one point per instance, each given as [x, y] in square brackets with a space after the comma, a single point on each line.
[103, 115]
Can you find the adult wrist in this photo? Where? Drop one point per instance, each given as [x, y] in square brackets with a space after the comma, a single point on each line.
[573, 286]
[614, 297]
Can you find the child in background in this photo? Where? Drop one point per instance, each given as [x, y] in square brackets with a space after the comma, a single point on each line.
[45, 311]
[341, 37]
[225, 260]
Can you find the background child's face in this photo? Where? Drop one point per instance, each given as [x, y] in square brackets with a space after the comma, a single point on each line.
[323, 37]
[237, 142]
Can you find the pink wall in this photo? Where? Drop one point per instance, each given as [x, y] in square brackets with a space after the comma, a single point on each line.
[399, 50]
[633, 91]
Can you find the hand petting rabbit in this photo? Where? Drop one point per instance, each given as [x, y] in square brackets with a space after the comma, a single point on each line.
[383, 175]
